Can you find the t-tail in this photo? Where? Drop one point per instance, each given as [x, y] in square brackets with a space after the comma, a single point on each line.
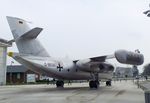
[26, 37]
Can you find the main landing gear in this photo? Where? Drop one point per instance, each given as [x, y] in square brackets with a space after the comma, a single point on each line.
[94, 84]
[60, 83]
[108, 83]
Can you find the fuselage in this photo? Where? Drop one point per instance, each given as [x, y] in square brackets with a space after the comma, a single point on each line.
[58, 68]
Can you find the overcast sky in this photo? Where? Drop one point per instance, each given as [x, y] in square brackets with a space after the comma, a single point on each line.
[83, 28]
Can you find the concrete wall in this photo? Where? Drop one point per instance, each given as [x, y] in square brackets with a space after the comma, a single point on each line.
[3, 54]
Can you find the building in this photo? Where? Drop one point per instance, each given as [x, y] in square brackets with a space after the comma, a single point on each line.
[3, 54]
[127, 71]
[18, 74]
[123, 72]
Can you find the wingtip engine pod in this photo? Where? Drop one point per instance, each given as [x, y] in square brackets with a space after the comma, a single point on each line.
[128, 57]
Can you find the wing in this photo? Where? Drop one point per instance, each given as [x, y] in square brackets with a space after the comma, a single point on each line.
[96, 64]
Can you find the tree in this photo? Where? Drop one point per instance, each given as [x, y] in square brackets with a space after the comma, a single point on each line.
[135, 71]
[146, 69]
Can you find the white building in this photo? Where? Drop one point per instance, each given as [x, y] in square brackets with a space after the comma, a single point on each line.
[123, 71]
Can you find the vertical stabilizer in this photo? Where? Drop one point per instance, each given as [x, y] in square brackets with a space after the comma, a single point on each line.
[26, 37]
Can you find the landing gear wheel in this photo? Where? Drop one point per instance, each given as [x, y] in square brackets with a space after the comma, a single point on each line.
[94, 84]
[108, 83]
[60, 83]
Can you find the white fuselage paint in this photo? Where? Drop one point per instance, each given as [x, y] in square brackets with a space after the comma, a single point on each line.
[58, 68]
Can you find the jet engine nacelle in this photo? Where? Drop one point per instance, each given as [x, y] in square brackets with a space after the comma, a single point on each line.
[85, 65]
[128, 57]
[105, 67]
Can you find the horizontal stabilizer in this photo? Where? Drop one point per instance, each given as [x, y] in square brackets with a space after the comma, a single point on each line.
[33, 33]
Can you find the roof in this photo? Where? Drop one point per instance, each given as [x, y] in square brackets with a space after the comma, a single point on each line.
[16, 69]
[4, 43]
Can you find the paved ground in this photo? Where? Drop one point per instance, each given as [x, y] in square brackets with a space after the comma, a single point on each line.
[120, 92]
[145, 85]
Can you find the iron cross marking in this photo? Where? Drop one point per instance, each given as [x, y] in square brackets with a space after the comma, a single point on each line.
[59, 67]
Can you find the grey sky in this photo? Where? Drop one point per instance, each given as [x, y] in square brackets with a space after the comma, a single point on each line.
[83, 28]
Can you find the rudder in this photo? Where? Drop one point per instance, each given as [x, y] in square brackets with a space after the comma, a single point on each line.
[25, 37]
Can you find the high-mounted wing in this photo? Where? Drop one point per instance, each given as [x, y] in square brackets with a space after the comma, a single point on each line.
[95, 64]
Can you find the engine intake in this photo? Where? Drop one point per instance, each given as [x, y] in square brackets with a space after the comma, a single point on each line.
[105, 67]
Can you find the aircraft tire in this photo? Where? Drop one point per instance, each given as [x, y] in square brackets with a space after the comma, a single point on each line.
[60, 83]
[108, 83]
[93, 84]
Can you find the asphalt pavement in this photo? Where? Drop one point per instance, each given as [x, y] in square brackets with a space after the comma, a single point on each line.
[119, 92]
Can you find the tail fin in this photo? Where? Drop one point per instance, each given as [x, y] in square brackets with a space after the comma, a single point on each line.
[25, 37]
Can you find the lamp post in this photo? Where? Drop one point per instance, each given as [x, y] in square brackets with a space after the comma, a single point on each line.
[11, 72]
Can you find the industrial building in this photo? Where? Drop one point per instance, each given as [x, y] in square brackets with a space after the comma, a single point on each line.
[18, 74]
